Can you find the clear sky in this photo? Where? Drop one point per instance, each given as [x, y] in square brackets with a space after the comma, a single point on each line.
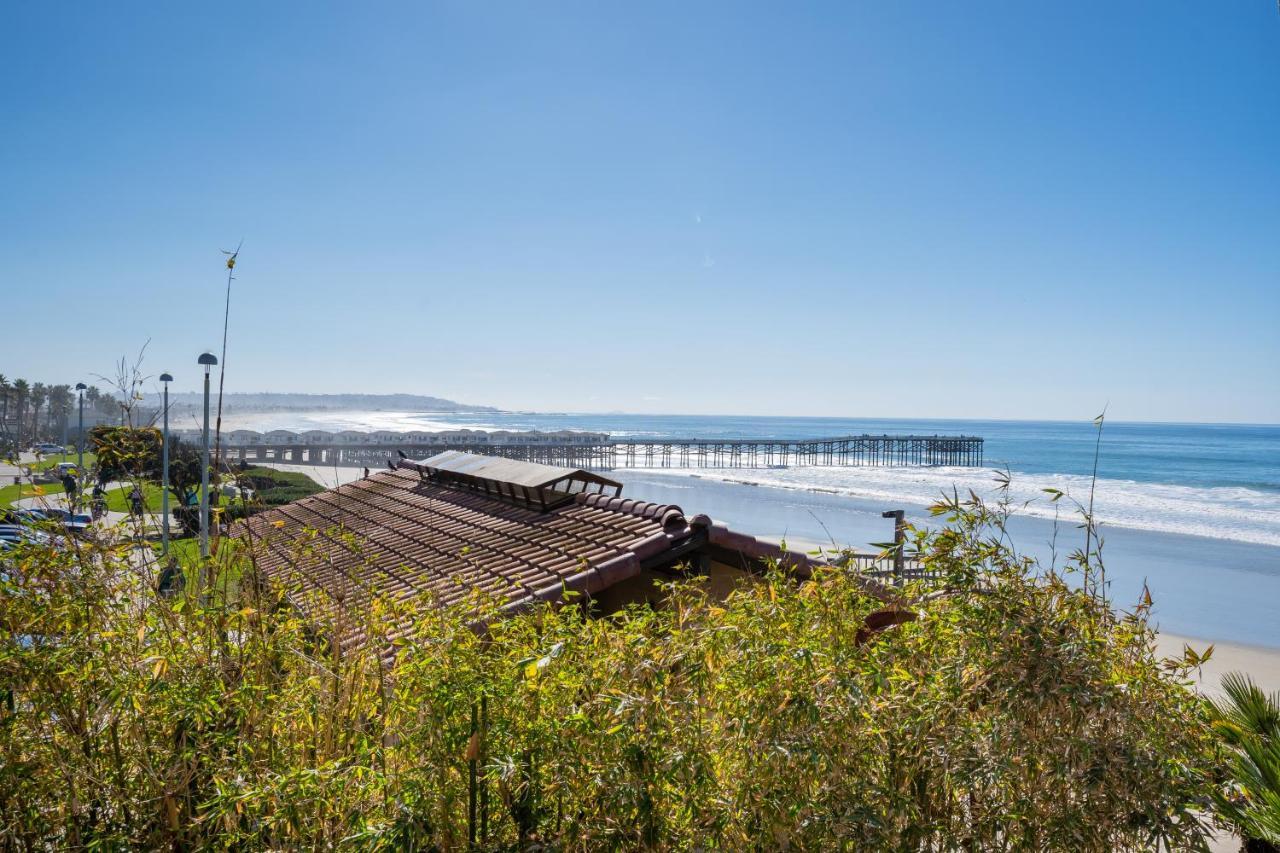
[1006, 210]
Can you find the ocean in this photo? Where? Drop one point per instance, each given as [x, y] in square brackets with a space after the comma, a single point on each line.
[1193, 510]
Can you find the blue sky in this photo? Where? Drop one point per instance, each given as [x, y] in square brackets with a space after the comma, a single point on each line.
[1006, 210]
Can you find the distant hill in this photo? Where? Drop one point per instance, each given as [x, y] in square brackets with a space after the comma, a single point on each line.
[275, 402]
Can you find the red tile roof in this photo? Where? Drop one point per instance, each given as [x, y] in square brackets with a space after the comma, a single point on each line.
[396, 534]
[403, 535]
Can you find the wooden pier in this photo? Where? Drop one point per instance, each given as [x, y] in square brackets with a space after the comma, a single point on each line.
[849, 450]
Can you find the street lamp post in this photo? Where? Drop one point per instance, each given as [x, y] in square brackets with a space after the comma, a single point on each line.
[208, 359]
[80, 387]
[164, 473]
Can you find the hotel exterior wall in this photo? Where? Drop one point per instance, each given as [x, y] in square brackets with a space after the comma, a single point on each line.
[647, 587]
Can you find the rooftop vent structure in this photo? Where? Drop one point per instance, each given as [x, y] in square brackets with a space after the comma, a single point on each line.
[532, 484]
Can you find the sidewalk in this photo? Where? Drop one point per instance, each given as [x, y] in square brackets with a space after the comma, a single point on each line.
[8, 471]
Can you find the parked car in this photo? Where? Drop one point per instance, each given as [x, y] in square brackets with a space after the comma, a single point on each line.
[67, 468]
[21, 515]
[48, 448]
[12, 535]
[74, 522]
[50, 516]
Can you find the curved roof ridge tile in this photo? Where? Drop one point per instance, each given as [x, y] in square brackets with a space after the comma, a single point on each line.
[665, 514]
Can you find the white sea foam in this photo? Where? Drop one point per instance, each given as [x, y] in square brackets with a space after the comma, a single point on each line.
[1238, 514]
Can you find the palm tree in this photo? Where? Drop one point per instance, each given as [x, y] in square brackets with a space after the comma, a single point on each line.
[21, 390]
[39, 393]
[4, 402]
[93, 398]
[1248, 721]
[104, 404]
[61, 403]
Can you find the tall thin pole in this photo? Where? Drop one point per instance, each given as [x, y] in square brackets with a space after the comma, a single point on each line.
[80, 439]
[222, 368]
[204, 475]
[164, 493]
[80, 480]
[1093, 483]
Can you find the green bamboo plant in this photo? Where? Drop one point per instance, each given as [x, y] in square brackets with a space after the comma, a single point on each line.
[1007, 711]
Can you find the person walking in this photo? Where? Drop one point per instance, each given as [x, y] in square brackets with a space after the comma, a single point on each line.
[69, 486]
[172, 579]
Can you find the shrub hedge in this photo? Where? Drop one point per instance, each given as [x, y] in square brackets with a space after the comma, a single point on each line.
[1017, 711]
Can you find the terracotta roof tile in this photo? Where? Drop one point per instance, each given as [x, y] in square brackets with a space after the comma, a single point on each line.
[398, 534]
[405, 535]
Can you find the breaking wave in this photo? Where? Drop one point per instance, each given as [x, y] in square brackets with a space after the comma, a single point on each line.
[1234, 513]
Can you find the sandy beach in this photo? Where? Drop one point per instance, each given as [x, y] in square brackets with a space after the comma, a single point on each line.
[1263, 665]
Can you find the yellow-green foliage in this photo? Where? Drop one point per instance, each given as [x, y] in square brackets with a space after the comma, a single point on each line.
[1249, 722]
[1015, 713]
[124, 451]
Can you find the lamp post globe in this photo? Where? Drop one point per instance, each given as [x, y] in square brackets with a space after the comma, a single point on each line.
[207, 360]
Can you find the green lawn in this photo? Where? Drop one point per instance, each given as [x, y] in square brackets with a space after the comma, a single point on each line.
[90, 460]
[273, 487]
[225, 567]
[187, 551]
[9, 493]
[118, 497]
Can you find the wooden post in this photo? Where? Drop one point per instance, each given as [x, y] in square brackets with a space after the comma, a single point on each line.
[484, 761]
[899, 542]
